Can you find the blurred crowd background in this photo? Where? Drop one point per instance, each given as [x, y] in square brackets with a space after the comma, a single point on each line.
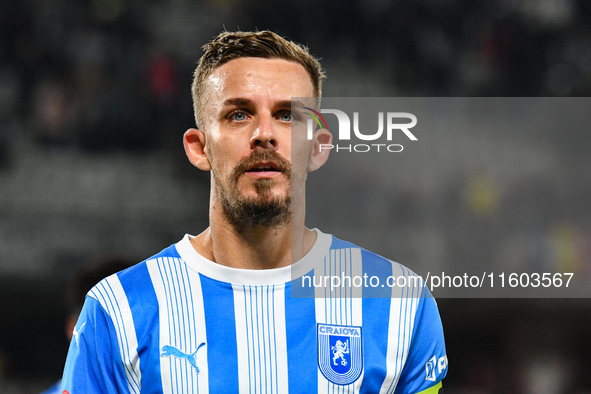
[94, 98]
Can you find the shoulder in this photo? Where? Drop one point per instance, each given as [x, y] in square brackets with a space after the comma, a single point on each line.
[367, 255]
[371, 259]
[379, 276]
[129, 285]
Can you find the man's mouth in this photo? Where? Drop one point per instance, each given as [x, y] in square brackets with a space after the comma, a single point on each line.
[264, 167]
[263, 164]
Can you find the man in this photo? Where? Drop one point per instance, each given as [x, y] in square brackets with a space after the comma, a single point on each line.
[215, 313]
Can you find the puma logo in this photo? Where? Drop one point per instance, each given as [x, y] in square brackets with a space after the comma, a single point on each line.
[171, 351]
[76, 334]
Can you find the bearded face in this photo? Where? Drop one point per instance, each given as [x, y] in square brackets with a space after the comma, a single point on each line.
[246, 142]
[265, 208]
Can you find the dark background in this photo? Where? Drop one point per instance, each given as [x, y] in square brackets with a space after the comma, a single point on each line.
[94, 98]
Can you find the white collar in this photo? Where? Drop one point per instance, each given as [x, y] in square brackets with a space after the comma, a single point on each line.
[274, 276]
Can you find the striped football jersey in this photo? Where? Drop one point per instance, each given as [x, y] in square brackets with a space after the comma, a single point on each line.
[179, 323]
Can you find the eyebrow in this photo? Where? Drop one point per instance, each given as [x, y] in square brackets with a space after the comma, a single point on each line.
[244, 102]
[239, 101]
[284, 104]
[296, 104]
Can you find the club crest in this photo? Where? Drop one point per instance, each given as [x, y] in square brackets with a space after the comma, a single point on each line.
[340, 353]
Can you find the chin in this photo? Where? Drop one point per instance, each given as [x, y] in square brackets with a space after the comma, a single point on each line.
[268, 189]
[267, 197]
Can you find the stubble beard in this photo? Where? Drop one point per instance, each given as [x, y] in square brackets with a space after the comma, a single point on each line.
[262, 211]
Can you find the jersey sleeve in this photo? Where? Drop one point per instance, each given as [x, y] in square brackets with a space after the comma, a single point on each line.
[426, 364]
[94, 362]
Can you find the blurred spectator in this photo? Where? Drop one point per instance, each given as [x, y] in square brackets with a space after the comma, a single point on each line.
[116, 118]
[164, 83]
[53, 114]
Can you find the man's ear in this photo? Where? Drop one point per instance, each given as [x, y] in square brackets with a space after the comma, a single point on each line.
[320, 149]
[194, 142]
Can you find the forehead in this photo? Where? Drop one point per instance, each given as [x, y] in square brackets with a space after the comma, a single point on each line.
[259, 79]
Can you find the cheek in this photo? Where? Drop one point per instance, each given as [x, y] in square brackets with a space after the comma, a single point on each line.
[215, 146]
[300, 146]
[300, 154]
[223, 155]
[214, 155]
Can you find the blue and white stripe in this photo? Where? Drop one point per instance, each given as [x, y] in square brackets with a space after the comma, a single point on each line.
[182, 324]
[261, 340]
[110, 294]
[403, 308]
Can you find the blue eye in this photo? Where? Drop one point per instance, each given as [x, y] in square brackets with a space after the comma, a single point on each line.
[239, 116]
[286, 117]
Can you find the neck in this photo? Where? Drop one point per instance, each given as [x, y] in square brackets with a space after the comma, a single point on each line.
[254, 248]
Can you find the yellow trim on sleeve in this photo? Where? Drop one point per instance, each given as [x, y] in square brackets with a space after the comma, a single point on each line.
[432, 390]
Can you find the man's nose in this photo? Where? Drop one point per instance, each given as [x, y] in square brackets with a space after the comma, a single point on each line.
[264, 135]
